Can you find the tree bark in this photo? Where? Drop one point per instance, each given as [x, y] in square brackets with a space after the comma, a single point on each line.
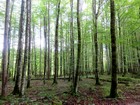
[40, 56]
[45, 49]
[95, 16]
[5, 51]
[78, 49]
[35, 55]
[72, 42]
[56, 45]
[29, 49]
[19, 50]
[49, 60]
[23, 78]
[113, 90]
[9, 38]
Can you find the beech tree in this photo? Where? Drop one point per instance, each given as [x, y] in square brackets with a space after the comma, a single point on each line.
[113, 90]
[19, 50]
[56, 44]
[78, 49]
[5, 51]
[72, 65]
[9, 37]
[27, 48]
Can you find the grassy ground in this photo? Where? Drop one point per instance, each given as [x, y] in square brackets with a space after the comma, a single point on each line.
[88, 93]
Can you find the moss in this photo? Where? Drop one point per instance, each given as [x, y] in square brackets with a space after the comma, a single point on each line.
[125, 79]
[120, 92]
[106, 90]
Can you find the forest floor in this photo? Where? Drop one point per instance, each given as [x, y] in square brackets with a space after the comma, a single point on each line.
[88, 94]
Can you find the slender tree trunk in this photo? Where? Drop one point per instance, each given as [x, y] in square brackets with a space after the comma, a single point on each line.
[49, 60]
[23, 78]
[72, 42]
[78, 49]
[35, 55]
[5, 51]
[61, 48]
[45, 50]
[40, 54]
[56, 44]
[95, 16]
[9, 38]
[19, 50]
[113, 90]
[101, 58]
[13, 56]
[29, 49]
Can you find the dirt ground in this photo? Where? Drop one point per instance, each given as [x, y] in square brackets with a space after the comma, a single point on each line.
[59, 94]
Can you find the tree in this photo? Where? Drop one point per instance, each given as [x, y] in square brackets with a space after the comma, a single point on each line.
[23, 78]
[29, 49]
[40, 54]
[56, 44]
[45, 49]
[49, 60]
[9, 36]
[19, 50]
[78, 49]
[72, 41]
[95, 20]
[113, 90]
[5, 51]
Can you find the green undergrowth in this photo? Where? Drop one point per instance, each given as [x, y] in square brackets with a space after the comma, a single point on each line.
[59, 93]
[14, 100]
[106, 89]
[126, 79]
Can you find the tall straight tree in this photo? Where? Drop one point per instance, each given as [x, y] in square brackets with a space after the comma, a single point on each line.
[29, 49]
[78, 49]
[56, 44]
[20, 49]
[40, 54]
[113, 90]
[9, 35]
[49, 60]
[72, 41]
[45, 49]
[5, 51]
[95, 19]
[23, 78]
[35, 52]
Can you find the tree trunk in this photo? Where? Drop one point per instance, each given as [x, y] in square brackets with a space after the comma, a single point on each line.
[45, 49]
[19, 50]
[35, 55]
[23, 78]
[5, 51]
[95, 16]
[40, 56]
[56, 45]
[9, 38]
[72, 42]
[113, 90]
[61, 48]
[29, 49]
[78, 49]
[49, 60]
